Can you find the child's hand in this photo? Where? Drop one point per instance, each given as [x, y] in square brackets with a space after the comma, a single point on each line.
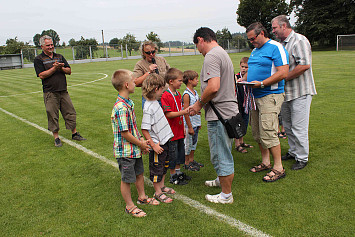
[144, 146]
[157, 148]
[186, 111]
[191, 131]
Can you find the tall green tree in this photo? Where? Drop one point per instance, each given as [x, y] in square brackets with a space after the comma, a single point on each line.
[13, 46]
[82, 48]
[224, 37]
[36, 40]
[72, 42]
[322, 20]
[250, 11]
[114, 43]
[155, 38]
[130, 41]
[53, 34]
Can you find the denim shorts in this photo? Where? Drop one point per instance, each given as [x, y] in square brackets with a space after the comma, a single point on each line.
[220, 148]
[130, 168]
[191, 141]
[176, 153]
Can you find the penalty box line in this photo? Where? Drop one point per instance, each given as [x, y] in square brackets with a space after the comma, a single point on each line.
[249, 230]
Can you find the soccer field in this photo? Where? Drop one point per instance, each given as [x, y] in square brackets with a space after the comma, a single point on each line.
[74, 190]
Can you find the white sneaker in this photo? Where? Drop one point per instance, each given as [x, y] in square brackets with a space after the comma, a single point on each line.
[213, 183]
[218, 199]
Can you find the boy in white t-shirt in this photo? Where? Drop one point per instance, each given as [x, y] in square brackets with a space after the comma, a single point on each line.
[157, 131]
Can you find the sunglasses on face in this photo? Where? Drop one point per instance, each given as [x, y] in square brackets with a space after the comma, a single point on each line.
[150, 52]
[253, 38]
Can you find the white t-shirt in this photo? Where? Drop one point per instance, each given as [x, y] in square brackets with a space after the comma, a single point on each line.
[156, 123]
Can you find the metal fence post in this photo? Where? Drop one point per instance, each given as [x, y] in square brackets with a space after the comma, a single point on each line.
[106, 53]
[90, 53]
[182, 48]
[126, 51]
[72, 48]
[169, 49]
[121, 52]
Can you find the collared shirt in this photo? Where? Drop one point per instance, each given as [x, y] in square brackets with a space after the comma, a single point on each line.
[57, 81]
[123, 119]
[300, 53]
[142, 67]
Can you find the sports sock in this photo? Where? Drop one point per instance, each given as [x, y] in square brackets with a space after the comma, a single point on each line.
[225, 196]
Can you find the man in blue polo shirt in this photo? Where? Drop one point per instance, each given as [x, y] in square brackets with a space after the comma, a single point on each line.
[268, 66]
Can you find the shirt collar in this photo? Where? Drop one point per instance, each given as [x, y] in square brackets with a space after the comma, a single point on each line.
[289, 37]
[128, 101]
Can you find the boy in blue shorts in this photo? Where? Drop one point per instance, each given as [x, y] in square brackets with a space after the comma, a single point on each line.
[128, 143]
[172, 107]
[157, 131]
[192, 123]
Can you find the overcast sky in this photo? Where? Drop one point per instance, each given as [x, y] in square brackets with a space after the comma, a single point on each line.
[170, 19]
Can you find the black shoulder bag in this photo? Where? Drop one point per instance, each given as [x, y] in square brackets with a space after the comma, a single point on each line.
[235, 125]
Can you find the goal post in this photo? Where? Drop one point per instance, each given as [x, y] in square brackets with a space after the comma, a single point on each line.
[346, 42]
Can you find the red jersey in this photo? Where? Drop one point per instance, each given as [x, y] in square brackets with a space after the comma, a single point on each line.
[170, 104]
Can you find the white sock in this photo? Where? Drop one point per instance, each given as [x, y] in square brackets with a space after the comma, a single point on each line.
[178, 171]
[225, 196]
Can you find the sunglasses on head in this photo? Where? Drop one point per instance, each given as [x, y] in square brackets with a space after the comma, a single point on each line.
[150, 52]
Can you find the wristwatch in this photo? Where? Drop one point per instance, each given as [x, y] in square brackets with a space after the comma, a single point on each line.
[262, 85]
[199, 100]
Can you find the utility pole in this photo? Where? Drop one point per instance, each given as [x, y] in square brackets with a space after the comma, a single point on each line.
[103, 41]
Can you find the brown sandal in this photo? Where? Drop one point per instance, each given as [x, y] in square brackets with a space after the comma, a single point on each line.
[273, 177]
[165, 199]
[260, 167]
[167, 190]
[136, 212]
[148, 200]
[241, 149]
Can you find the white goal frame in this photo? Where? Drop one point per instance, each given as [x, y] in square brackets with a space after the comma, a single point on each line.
[338, 38]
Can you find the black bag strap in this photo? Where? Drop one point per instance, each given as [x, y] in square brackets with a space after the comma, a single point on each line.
[216, 112]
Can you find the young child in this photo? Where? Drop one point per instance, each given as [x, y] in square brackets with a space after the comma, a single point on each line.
[242, 93]
[156, 130]
[128, 143]
[192, 123]
[172, 107]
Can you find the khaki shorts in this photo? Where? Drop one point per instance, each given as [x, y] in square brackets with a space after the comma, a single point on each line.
[264, 120]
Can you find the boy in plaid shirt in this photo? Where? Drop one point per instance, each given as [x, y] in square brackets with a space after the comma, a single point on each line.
[128, 143]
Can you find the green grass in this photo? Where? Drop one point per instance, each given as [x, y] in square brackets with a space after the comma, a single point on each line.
[65, 192]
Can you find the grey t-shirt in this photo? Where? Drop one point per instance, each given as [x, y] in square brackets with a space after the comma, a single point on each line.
[217, 63]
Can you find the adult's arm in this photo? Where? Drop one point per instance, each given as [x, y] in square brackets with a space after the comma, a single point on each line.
[297, 71]
[213, 85]
[281, 73]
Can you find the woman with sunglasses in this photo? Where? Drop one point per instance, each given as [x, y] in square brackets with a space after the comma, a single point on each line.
[149, 64]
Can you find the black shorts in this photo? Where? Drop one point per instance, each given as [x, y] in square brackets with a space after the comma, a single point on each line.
[159, 164]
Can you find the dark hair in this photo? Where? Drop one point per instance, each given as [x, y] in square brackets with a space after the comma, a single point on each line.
[189, 75]
[172, 74]
[257, 27]
[206, 33]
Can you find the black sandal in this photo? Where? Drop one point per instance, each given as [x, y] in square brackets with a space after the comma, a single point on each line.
[241, 149]
[246, 145]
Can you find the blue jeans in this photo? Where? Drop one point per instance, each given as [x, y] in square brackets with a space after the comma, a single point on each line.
[220, 148]
[176, 153]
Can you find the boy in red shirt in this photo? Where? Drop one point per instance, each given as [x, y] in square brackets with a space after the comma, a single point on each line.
[172, 107]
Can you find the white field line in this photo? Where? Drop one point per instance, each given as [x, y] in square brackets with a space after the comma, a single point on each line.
[249, 230]
[105, 75]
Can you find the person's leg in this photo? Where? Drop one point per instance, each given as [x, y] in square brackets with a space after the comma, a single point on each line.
[300, 124]
[286, 114]
[126, 194]
[276, 154]
[68, 111]
[226, 183]
[140, 186]
[51, 103]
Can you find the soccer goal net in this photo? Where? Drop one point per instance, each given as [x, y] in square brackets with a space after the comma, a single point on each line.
[346, 42]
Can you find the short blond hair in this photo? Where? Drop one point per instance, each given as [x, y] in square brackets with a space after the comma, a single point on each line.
[173, 74]
[119, 77]
[150, 84]
[189, 75]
